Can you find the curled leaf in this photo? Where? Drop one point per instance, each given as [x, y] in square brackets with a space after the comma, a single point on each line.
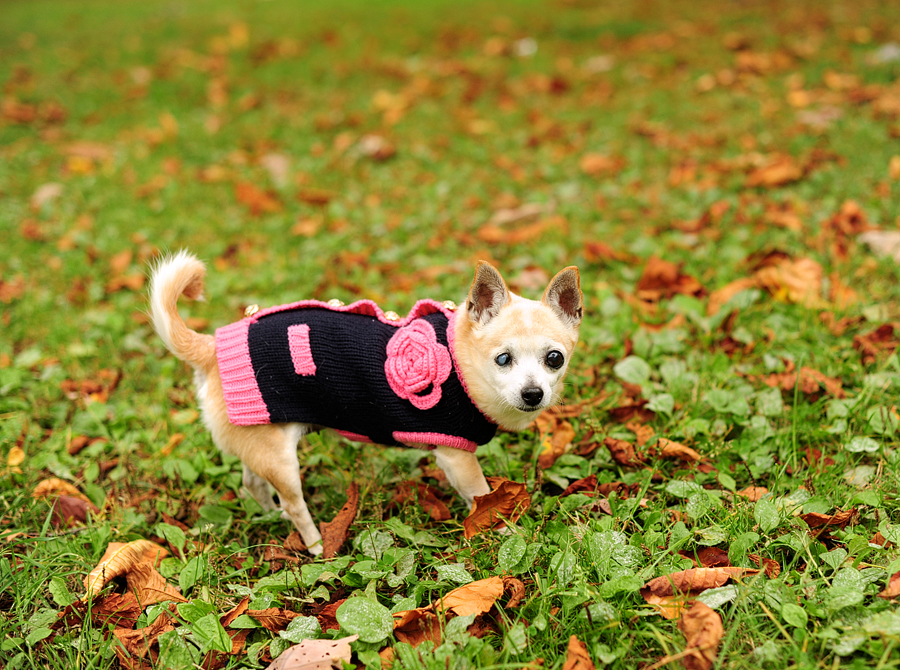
[334, 533]
[702, 628]
[508, 500]
[119, 559]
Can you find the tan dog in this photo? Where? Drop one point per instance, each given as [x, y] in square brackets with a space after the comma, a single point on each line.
[452, 376]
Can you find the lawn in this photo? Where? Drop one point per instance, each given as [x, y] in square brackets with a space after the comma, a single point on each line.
[719, 486]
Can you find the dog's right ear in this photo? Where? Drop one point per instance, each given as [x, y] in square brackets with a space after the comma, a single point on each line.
[487, 295]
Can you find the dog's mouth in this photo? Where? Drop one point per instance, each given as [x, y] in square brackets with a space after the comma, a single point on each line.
[529, 408]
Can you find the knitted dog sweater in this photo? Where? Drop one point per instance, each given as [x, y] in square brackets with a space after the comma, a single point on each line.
[371, 376]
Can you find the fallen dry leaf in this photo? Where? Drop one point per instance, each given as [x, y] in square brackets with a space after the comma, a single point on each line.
[149, 586]
[622, 452]
[136, 644]
[417, 626]
[508, 500]
[119, 559]
[810, 381]
[708, 557]
[663, 279]
[839, 519]
[315, 655]
[793, 280]
[274, 619]
[719, 297]
[472, 598]
[577, 657]
[892, 590]
[556, 436]
[53, 487]
[777, 171]
[334, 533]
[670, 449]
[878, 343]
[770, 566]
[695, 580]
[70, 511]
[426, 496]
[257, 200]
[516, 590]
[753, 493]
[594, 164]
[702, 628]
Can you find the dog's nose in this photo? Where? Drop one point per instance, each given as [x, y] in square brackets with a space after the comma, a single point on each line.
[532, 395]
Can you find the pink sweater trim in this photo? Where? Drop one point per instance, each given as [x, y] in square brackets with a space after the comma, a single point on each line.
[243, 399]
[366, 307]
[434, 440]
[353, 437]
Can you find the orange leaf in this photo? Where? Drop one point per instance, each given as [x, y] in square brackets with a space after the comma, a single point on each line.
[670, 449]
[472, 598]
[256, 199]
[702, 628]
[577, 657]
[662, 279]
[770, 566]
[150, 587]
[695, 580]
[893, 588]
[334, 533]
[119, 559]
[425, 495]
[753, 493]
[556, 435]
[54, 487]
[508, 500]
[841, 519]
[798, 281]
[274, 619]
[778, 171]
[622, 452]
[417, 626]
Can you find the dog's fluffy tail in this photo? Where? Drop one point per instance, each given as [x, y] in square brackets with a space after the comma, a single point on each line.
[180, 274]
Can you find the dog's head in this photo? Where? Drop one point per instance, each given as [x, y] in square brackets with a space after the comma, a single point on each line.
[512, 352]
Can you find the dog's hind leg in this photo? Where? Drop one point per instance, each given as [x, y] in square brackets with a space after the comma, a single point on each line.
[259, 488]
[275, 460]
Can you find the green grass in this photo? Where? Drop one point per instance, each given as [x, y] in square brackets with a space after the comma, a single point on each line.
[148, 114]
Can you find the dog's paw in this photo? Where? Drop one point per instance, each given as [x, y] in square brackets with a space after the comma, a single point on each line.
[316, 549]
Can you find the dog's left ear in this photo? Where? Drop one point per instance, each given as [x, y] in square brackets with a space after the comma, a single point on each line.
[563, 296]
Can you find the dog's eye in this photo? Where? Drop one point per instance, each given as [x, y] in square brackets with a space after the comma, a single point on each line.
[503, 360]
[555, 359]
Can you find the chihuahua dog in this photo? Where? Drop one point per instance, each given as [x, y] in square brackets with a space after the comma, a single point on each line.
[441, 378]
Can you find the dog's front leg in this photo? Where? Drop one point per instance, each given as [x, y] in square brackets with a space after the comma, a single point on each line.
[463, 472]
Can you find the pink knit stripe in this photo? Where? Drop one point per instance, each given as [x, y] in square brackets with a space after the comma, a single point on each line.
[353, 437]
[434, 440]
[301, 353]
[243, 399]
[365, 307]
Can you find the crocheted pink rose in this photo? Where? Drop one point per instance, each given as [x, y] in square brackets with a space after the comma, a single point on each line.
[415, 361]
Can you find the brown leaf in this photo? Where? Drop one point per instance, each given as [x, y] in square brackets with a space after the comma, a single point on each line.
[810, 381]
[878, 343]
[508, 500]
[663, 279]
[136, 643]
[115, 610]
[770, 566]
[777, 171]
[426, 496]
[622, 452]
[70, 511]
[326, 615]
[521, 234]
[274, 619]
[708, 557]
[702, 628]
[473, 598]
[516, 591]
[53, 487]
[315, 655]
[594, 164]
[840, 519]
[892, 590]
[119, 559]
[587, 486]
[720, 296]
[417, 626]
[753, 493]
[228, 618]
[334, 533]
[793, 280]
[676, 450]
[11, 290]
[577, 657]
[556, 436]
[257, 200]
[315, 196]
[150, 587]
[695, 580]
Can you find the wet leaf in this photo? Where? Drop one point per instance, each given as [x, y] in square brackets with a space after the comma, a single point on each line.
[369, 620]
[695, 580]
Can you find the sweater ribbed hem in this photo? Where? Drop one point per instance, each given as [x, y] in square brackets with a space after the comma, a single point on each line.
[243, 399]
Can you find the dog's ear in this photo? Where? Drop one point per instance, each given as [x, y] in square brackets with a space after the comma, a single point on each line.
[563, 296]
[488, 294]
